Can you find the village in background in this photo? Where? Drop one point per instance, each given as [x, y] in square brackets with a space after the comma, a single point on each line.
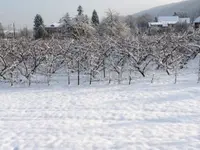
[143, 23]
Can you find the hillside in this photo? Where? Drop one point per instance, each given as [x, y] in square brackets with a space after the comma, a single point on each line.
[191, 7]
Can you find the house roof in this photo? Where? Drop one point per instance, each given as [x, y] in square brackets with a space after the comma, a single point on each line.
[10, 31]
[168, 19]
[197, 20]
[155, 23]
[164, 24]
[54, 25]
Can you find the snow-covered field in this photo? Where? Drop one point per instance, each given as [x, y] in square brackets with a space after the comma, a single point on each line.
[142, 116]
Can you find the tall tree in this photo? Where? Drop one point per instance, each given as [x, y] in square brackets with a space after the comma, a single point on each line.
[39, 30]
[95, 18]
[130, 22]
[25, 32]
[113, 25]
[66, 20]
[2, 34]
[80, 10]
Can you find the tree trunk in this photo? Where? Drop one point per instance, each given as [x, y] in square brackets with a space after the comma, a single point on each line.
[175, 78]
[119, 76]
[129, 82]
[168, 72]
[152, 80]
[78, 72]
[48, 78]
[109, 78]
[11, 79]
[104, 69]
[29, 81]
[142, 73]
[199, 71]
[90, 77]
[176, 74]
[69, 82]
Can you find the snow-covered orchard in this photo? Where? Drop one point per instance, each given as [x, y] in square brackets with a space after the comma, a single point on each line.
[113, 90]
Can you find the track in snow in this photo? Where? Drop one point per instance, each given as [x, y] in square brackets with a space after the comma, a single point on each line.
[136, 117]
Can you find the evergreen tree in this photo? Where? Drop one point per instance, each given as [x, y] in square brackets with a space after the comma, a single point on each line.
[39, 30]
[175, 14]
[95, 18]
[80, 10]
[156, 19]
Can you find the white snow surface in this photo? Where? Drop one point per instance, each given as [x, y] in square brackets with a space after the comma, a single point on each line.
[141, 116]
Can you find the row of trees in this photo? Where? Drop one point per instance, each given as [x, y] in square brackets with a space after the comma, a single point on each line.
[23, 59]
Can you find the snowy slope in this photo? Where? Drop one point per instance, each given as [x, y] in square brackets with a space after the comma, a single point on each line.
[190, 7]
[143, 116]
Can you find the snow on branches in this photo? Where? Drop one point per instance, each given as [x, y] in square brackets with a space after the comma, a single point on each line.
[23, 59]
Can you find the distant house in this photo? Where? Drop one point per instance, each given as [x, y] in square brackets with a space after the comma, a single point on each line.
[54, 28]
[197, 23]
[168, 21]
[59, 28]
[11, 34]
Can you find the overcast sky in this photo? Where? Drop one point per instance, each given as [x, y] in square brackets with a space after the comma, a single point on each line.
[22, 12]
